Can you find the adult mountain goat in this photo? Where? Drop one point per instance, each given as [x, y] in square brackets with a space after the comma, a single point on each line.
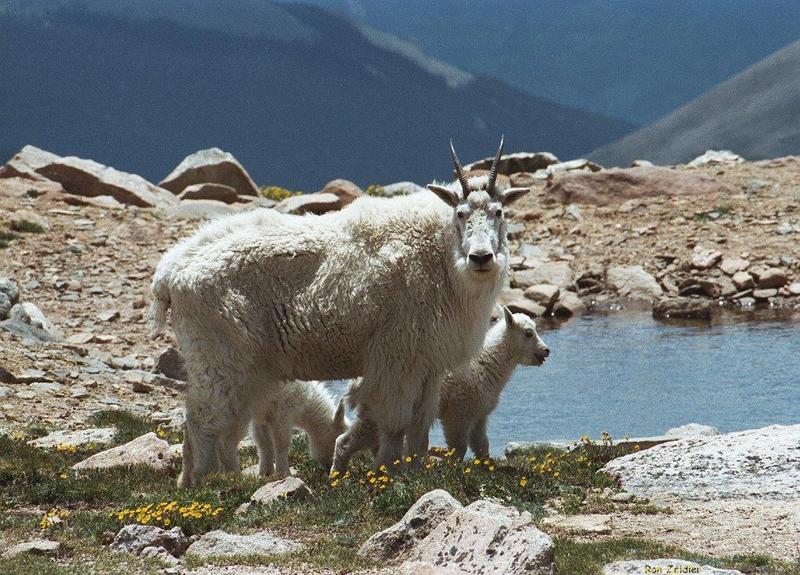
[398, 291]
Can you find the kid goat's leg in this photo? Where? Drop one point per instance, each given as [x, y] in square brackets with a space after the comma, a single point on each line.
[479, 439]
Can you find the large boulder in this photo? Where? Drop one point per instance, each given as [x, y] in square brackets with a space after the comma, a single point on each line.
[318, 203]
[88, 178]
[221, 544]
[345, 190]
[663, 566]
[210, 166]
[619, 184]
[716, 157]
[135, 539]
[207, 191]
[147, 449]
[759, 463]
[281, 490]
[513, 163]
[25, 163]
[30, 314]
[486, 537]
[429, 510]
[633, 282]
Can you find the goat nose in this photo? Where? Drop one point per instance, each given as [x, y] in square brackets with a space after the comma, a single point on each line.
[482, 258]
[546, 352]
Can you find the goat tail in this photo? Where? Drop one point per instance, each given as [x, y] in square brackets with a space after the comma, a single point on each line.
[159, 304]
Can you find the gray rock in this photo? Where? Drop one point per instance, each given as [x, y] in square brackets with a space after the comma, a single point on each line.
[135, 539]
[772, 278]
[208, 191]
[429, 510]
[29, 314]
[568, 304]
[702, 258]
[41, 547]
[622, 497]
[545, 295]
[716, 157]
[96, 435]
[221, 544]
[286, 488]
[10, 289]
[486, 537]
[210, 166]
[633, 282]
[88, 178]
[555, 273]
[147, 449]
[170, 363]
[513, 163]
[682, 308]
[794, 288]
[663, 566]
[25, 163]
[5, 306]
[319, 203]
[573, 165]
[758, 464]
[691, 430]
[732, 265]
[743, 280]
[20, 220]
[345, 190]
[26, 331]
[762, 294]
[641, 164]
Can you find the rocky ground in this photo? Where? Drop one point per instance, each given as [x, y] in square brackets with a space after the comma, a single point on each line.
[79, 245]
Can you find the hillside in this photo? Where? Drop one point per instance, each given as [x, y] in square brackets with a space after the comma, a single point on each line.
[296, 93]
[756, 113]
[628, 59]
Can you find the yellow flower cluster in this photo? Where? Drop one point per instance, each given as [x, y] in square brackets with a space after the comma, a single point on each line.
[161, 432]
[17, 435]
[167, 513]
[277, 193]
[53, 517]
[548, 465]
[66, 448]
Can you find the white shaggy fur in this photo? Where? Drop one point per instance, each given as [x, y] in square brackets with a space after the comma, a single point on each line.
[395, 290]
[303, 405]
[470, 394]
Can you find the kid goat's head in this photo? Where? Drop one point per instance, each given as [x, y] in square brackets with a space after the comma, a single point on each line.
[478, 215]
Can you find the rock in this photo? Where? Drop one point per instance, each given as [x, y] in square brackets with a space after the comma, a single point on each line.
[5, 306]
[663, 566]
[702, 258]
[200, 210]
[692, 430]
[522, 180]
[208, 191]
[95, 435]
[573, 211]
[519, 162]
[568, 304]
[318, 203]
[629, 206]
[641, 164]
[136, 538]
[618, 184]
[88, 178]
[345, 190]
[715, 157]
[41, 547]
[526, 306]
[9, 288]
[170, 363]
[106, 202]
[682, 308]
[286, 488]
[147, 449]
[28, 313]
[425, 568]
[25, 163]
[743, 280]
[486, 537]
[26, 331]
[763, 294]
[28, 221]
[594, 524]
[108, 315]
[726, 286]
[772, 278]
[402, 189]
[757, 464]
[221, 544]
[732, 265]
[794, 288]
[429, 510]
[785, 228]
[633, 282]
[555, 273]
[572, 165]
[211, 166]
[545, 295]
[622, 497]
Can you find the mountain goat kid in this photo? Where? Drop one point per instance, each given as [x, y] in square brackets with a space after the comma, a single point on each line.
[306, 405]
[398, 291]
[471, 393]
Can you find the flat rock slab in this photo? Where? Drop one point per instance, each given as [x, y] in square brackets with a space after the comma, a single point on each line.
[42, 547]
[147, 449]
[221, 544]
[286, 488]
[675, 566]
[486, 537]
[755, 464]
[97, 435]
[210, 166]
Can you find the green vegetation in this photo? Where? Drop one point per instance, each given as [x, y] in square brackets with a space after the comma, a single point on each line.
[277, 193]
[26, 227]
[41, 497]
[6, 238]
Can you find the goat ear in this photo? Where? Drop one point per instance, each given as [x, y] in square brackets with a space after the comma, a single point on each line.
[338, 417]
[511, 195]
[509, 316]
[448, 196]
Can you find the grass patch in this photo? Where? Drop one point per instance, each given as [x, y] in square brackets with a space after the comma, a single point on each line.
[6, 238]
[26, 227]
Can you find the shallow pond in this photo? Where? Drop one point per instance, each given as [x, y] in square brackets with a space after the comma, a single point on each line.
[629, 375]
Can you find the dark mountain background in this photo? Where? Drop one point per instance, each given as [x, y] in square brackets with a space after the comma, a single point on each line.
[756, 113]
[633, 59]
[299, 95]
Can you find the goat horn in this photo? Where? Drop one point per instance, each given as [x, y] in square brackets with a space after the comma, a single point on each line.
[459, 170]
[493, 171]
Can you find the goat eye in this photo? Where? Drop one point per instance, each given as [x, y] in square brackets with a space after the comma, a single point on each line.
[498, 213]
[528, 333]
[461, 215]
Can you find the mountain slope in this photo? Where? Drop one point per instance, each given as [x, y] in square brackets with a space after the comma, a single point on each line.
[321, 98]
[756, 114]
[631, 59]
